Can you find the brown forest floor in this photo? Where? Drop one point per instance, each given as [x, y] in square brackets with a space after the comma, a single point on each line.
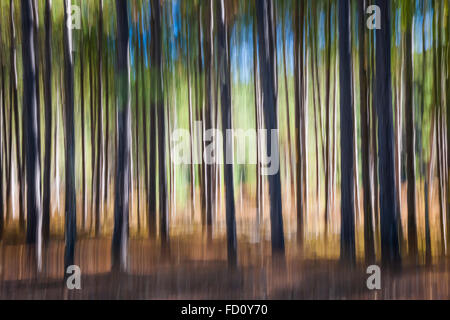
[195, 270]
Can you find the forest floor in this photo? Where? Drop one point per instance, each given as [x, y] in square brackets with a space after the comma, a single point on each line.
[196, 270]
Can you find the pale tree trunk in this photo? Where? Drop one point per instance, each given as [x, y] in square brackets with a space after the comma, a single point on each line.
[257, 125]
[15, 107]
[327, 117]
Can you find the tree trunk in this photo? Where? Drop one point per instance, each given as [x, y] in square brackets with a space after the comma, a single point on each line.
[369, 249]
[299, 100]
[34, 217]
[327, 117]
[48, 122]
[390, 253]
[153, 150]
[347, 136]
[410, 142]
[71, 201]
[98, 192]
[266, 30]
[163, 208]
[121, 205]
[83, 141]
[14, 101]
[225, 98]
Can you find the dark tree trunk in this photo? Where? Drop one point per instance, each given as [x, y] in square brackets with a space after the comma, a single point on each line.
[299, 117]
[266, 30]
[347, 136]
[31, 132]
[98, 173]
[390, 253]
[410, 142]
[163, 203]
[209, 103]
[225, 99]
[121, 205]
[48, 121]
[71, 200]
[37, 64]
[369, 249]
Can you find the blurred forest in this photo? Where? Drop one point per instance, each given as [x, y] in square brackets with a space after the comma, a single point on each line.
[91, 93]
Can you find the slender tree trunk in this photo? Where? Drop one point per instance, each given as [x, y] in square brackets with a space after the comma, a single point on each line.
[266, 30]
[153, 149]
[106, 163]
[369, 249]
[299, 100]
[99, 120]
[209, 78]
[71, 201]
[48, 122]
[390, 253]
[34, 213]
[14, 101]
[288, 121]
[448, 124]
[121, 205]
[257, 125]
[410, 143]
[191, 136]
[37, 65]
[3, 147]
[137, 115]
[83, 142]
[163, 205]
[225, 91]
[347, 136]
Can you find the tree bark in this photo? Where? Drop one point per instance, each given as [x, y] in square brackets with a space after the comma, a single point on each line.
[48, 121]
[390, 253]
[71, 201]
[369, 249]
[266, 30]
[34, 213]
[347, 136]
[225, 92]
[121, 205]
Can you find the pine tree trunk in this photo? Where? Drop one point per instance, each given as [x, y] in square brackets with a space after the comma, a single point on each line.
[48, 122]
[119, 248]
[266, 30]
[390, 253]
[225, 98]
[71, 201]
